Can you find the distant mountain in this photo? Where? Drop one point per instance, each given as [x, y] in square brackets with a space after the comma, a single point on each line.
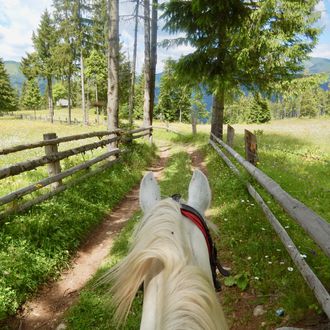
[313, 65]
[317, 65]
[17, 78]
[15, 74]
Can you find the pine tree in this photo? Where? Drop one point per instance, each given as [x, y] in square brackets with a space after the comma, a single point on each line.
[241, 43]
[174, 97]
[259, 111]
[8, 99]
[31, 97]
[44, 40]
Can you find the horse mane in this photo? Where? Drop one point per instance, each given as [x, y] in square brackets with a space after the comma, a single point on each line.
[189, 300]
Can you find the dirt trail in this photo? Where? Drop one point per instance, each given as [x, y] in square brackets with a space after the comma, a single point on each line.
[46, 309]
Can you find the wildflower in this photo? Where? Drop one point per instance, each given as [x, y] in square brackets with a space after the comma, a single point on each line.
[266, 257]
[290, 269]
[256, 278]
[270, 262]
[262, 228]
[303, 256]
[249, 258]
[287, 227]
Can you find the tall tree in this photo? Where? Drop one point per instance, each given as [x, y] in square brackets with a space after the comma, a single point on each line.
[113, 64]
[147, 71]
[251, 43]
[66, 51]
[8, 100]
[132, 89]
[44, 40]
[153, 54]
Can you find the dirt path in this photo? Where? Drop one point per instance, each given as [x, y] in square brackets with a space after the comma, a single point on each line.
[46, 309]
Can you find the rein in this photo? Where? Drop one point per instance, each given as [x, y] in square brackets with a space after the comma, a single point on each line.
[193, 215]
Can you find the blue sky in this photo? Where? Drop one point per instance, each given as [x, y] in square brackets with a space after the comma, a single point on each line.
[18, 18]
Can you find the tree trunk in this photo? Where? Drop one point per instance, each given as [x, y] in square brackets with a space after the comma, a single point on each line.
[97, 105]
[153, 58]
[50, 98]
[69, 99]
[131, 96]
[217, 113]
[194, 121]
[82, 75]
[113, 64]
[147, 73]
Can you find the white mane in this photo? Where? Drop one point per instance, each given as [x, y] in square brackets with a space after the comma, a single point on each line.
[184, 292]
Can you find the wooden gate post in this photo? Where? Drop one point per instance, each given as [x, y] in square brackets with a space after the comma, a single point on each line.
[251, 147]
[230, 135]
[54, 167]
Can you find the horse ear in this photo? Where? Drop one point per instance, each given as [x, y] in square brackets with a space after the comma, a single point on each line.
[199, 192]
[149, 192]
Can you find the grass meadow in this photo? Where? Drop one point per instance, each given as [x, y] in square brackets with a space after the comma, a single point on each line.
[295, 153]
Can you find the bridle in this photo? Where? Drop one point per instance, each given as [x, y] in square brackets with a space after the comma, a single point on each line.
[193, 215]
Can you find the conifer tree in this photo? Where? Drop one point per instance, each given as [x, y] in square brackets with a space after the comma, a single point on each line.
[241, 43]
[259, 111]
[8, 99]
[44, 40]
[31, 97]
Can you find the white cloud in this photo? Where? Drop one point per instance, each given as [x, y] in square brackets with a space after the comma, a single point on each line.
[321, 50]
[324, 20]
[17, 21]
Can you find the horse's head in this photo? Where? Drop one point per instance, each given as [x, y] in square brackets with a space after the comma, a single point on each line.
[199, 192]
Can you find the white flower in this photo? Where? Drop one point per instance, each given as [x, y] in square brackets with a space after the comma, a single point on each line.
[290, 269]
[281, 262]
[278, 250]
[256, 278]
[286, 227]
[270, 262]
[242, 200]
[262, 228]
[303, 256]
[249, 258]
[266, 257]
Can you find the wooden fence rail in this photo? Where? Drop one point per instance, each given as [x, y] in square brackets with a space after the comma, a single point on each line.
[53, 158]
[314, 225]
[312, 280]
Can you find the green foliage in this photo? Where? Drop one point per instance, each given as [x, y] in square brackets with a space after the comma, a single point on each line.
[59, 91]
[8, 97]
[35, 245]
[31, 98]
[174, 97]
[259, 110]
[240, 280]
[139, 97]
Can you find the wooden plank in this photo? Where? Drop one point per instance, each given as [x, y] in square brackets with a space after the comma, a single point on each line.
[230, 135]
[311, 279]
[250, 147]
[314, 225]
[45, 182]
[57, 141]
[31, 164]
[61, 188]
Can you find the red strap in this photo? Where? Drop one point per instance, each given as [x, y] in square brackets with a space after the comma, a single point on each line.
[195, 219]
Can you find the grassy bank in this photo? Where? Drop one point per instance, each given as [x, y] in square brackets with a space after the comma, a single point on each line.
[34, 246]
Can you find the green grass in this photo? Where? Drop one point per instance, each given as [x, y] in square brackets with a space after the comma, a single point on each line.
[36, 245]
[250, 246]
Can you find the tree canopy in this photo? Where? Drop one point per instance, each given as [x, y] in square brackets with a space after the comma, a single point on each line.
[237, 42]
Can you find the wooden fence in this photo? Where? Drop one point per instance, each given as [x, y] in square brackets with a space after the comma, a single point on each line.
[315, 226]
[53, 157]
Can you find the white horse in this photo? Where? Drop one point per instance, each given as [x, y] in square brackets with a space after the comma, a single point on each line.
[170, 256]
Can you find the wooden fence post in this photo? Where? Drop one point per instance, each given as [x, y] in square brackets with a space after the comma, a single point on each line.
[230, 135]
[55, 167]
[251, 147]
